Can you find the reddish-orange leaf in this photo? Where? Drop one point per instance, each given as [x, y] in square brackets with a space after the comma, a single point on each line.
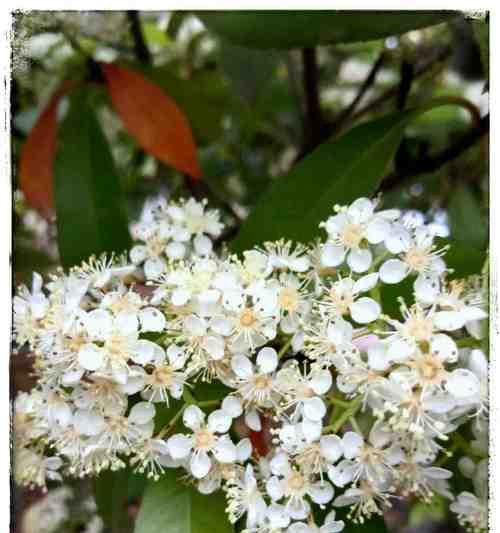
[36, 162]
[152, 118]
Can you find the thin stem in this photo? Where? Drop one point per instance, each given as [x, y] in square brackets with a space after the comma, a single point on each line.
[314, 125]
[353, 408]
[172, 422]
[337, 401]
[285, 347]
[355, 425]
[141, 49]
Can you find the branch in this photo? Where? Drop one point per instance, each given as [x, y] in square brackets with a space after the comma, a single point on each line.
[393, 91]
[314, 125]
[369, 81]
[432, 163]
[141, 50]
[407, 74]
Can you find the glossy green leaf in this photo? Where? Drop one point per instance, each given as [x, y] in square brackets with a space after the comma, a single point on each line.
[90, 207]
[292, 29]
[111, 490]
[464, 260]
[467, 224]
[338, 171]
[169, 506]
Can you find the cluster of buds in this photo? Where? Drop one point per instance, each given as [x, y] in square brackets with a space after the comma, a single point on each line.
[318, 396]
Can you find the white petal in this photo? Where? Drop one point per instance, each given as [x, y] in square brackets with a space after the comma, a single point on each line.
[449, 320]
[179, 446]
[399, 350]
[274, 489]
[342, 473]
[321, 492]
[98, 323]
[378, 358]
[200, 464]
[215, 347]
[352, 443]
[462, 383]
[444, 347]
[426, 289]
[393, 271]
[180, 297]
[195, 326]
[146, 351]
[244, 450]
[152, 319]
[88, 422]
[153, 268]
[311, 429]
[277, 516]
[252, 420]
[232, 406]
[138, 254]
[314, 408]
[365, 310]
[193, 417]
[242, 366]
[267, 360]
[321, 381]
[331, 447]
[175, 250]
[365, 283]
[91, 357]
[142, 413]
[219, 421]
[377, 230]
[332, 255]
[126, 323]
[359, 260]
[225, 451]
[202, 245]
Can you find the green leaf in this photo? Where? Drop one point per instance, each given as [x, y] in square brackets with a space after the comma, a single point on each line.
[338, 171]
[292, 29]
[464, 260]
[111, 491]
[481, 30]
[90, 207]
[466, 221]
[169, 506]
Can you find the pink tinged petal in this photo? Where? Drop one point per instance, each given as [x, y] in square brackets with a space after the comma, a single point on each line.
[393, 271]
[202, 245]
[444, 348]
[352, 443]
[274, 488]
[365, 283]
[91, 357]
[267, 360]
[321, 382]
[332, 255]
[252, 420]
[200, 464]
[449, 320]
[225, 451]
[232, 406]
[365, 342]
[193, 417]
[365, 310]
[321, 492]
[152, 319]
[153, 268]
[462, 383]
[179, 446]
[359, 260]
[331, 447]
[219, 421]
[214, 346]
[175, 250]
[242, 366]
[314, 409]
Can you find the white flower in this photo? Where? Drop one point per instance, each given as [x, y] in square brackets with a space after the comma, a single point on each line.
[284, 255]
[208, 441]
[342, 298]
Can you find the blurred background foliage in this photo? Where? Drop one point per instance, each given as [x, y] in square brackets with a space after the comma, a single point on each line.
[255, 113]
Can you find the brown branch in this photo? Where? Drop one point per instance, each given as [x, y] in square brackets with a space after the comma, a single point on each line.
[367, 83]
[314, 125]
[141, 49]
[407, 73]
[433, 163]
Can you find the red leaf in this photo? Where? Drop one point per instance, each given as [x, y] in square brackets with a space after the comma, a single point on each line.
[36, 163]
[152, 118]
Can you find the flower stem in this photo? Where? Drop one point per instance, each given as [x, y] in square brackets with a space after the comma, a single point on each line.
[284, 348]
[354, 406]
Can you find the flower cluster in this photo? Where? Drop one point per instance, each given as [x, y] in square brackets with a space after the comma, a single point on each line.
[321, 397]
